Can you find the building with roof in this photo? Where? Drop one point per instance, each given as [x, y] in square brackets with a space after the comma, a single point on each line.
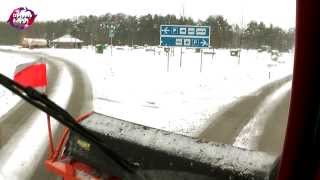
[67, 41]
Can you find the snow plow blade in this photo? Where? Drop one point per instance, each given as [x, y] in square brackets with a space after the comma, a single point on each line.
[165, 155]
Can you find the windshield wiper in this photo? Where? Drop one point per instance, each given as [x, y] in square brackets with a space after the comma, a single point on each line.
[43, 103]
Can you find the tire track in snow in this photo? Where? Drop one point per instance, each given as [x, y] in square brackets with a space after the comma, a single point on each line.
[227, 124]
[274, 131]
[268, 124]
[17, 116]
[80, 101]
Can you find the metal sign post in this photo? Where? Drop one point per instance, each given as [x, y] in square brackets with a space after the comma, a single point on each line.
[111, 45]
[167, 50]
[111, 35]
[201, 60]
[269, 75]
[168, 62]
[212, 53]
[180, 57]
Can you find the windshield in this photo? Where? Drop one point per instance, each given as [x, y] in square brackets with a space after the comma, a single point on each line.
[219, 71]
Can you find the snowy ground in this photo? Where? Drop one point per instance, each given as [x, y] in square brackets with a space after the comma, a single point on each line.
[134, 85]
[8, 64]
[21, 155]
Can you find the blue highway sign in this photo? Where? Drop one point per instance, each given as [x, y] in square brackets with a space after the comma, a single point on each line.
[184, 36]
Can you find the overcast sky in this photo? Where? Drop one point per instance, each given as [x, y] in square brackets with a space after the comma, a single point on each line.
[277, 12]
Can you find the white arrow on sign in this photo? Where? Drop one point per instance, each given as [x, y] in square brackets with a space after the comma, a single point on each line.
[204, 42]
[165, 30]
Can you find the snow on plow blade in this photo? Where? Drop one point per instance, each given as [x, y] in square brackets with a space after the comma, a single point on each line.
[165, 155]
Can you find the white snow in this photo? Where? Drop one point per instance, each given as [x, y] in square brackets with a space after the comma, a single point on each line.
[8, 64]
[66, 39]
[134, 85]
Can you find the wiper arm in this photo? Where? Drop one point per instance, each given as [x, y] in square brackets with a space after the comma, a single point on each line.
[43, 103]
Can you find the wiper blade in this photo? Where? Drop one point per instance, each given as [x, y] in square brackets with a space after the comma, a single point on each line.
[43, 103]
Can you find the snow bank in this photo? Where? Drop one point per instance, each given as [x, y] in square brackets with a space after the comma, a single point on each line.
[8, 65]
[247, 138]
[20, 156]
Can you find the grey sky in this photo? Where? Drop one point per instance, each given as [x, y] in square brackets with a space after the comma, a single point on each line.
[277, 12]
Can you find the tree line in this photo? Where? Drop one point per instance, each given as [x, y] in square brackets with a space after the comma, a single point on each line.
[133, 30]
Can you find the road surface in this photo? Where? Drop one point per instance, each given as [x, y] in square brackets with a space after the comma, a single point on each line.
[226, 126]
[79, 103]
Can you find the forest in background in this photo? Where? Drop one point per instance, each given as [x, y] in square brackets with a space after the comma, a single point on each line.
[133, 30]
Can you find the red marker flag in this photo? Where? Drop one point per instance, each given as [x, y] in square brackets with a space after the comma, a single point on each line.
[32, 75]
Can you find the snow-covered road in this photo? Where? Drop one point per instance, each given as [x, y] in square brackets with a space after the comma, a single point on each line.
[23, 151]
[16, 117]
[244, 122]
